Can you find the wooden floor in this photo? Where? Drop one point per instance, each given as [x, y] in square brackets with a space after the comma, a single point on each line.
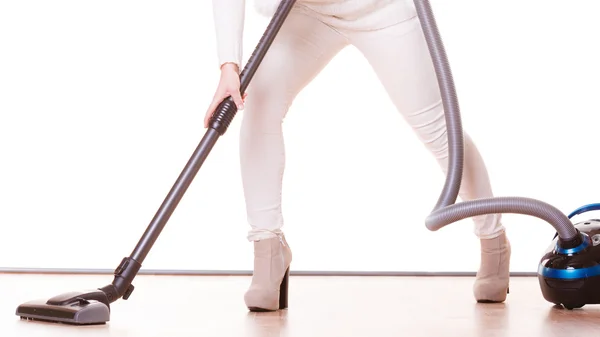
[319, 306]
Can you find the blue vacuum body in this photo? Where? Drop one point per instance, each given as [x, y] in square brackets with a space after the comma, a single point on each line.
[571, 277]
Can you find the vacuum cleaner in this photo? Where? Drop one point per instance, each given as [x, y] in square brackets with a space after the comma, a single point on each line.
[92, 307]
[568, 272]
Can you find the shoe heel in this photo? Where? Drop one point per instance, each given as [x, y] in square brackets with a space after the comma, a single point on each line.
[283, 290]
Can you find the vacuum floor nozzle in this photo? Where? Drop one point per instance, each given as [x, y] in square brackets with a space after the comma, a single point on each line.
[69, 308]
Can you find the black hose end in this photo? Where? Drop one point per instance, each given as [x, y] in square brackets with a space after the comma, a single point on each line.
[572, 242]
[223, 116]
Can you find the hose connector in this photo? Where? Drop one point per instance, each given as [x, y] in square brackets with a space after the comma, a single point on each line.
[571, 243]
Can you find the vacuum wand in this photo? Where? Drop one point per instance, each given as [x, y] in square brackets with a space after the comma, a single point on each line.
[93, 307]
[445, 211]
[218, 125]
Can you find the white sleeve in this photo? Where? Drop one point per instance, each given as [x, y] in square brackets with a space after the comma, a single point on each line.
[229, 17]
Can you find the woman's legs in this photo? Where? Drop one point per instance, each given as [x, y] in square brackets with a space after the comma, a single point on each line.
[303, 47]
[400, 57]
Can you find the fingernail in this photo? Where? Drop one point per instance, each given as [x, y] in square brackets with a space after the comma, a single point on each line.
[241, 107]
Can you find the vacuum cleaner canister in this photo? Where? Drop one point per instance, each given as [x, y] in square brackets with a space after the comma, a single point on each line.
[571, 277]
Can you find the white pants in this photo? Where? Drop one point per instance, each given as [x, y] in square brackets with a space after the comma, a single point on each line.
[391, 39]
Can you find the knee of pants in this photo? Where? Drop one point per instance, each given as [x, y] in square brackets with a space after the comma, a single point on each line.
[430, 126]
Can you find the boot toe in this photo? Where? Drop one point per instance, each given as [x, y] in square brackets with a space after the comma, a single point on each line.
[490, 291]
[261, 300]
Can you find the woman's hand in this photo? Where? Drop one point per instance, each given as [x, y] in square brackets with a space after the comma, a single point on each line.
[229, 85]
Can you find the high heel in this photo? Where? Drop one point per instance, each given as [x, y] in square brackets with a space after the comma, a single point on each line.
[283, 290]
[270, 279]
[283, 295]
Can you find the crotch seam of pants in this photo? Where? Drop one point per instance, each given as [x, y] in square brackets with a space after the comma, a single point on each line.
[316, 17]
[415, 17]
[387, 26]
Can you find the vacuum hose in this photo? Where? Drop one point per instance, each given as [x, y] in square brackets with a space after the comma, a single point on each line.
[446, 211]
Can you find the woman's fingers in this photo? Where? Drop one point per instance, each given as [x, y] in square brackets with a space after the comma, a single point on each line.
[211, 108]
[237, 99]
[209, 112]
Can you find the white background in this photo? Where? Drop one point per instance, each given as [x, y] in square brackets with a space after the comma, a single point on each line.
[101, 105]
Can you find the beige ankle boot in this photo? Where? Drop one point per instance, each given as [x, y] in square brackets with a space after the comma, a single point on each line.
[269, 288]
[491, 283]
